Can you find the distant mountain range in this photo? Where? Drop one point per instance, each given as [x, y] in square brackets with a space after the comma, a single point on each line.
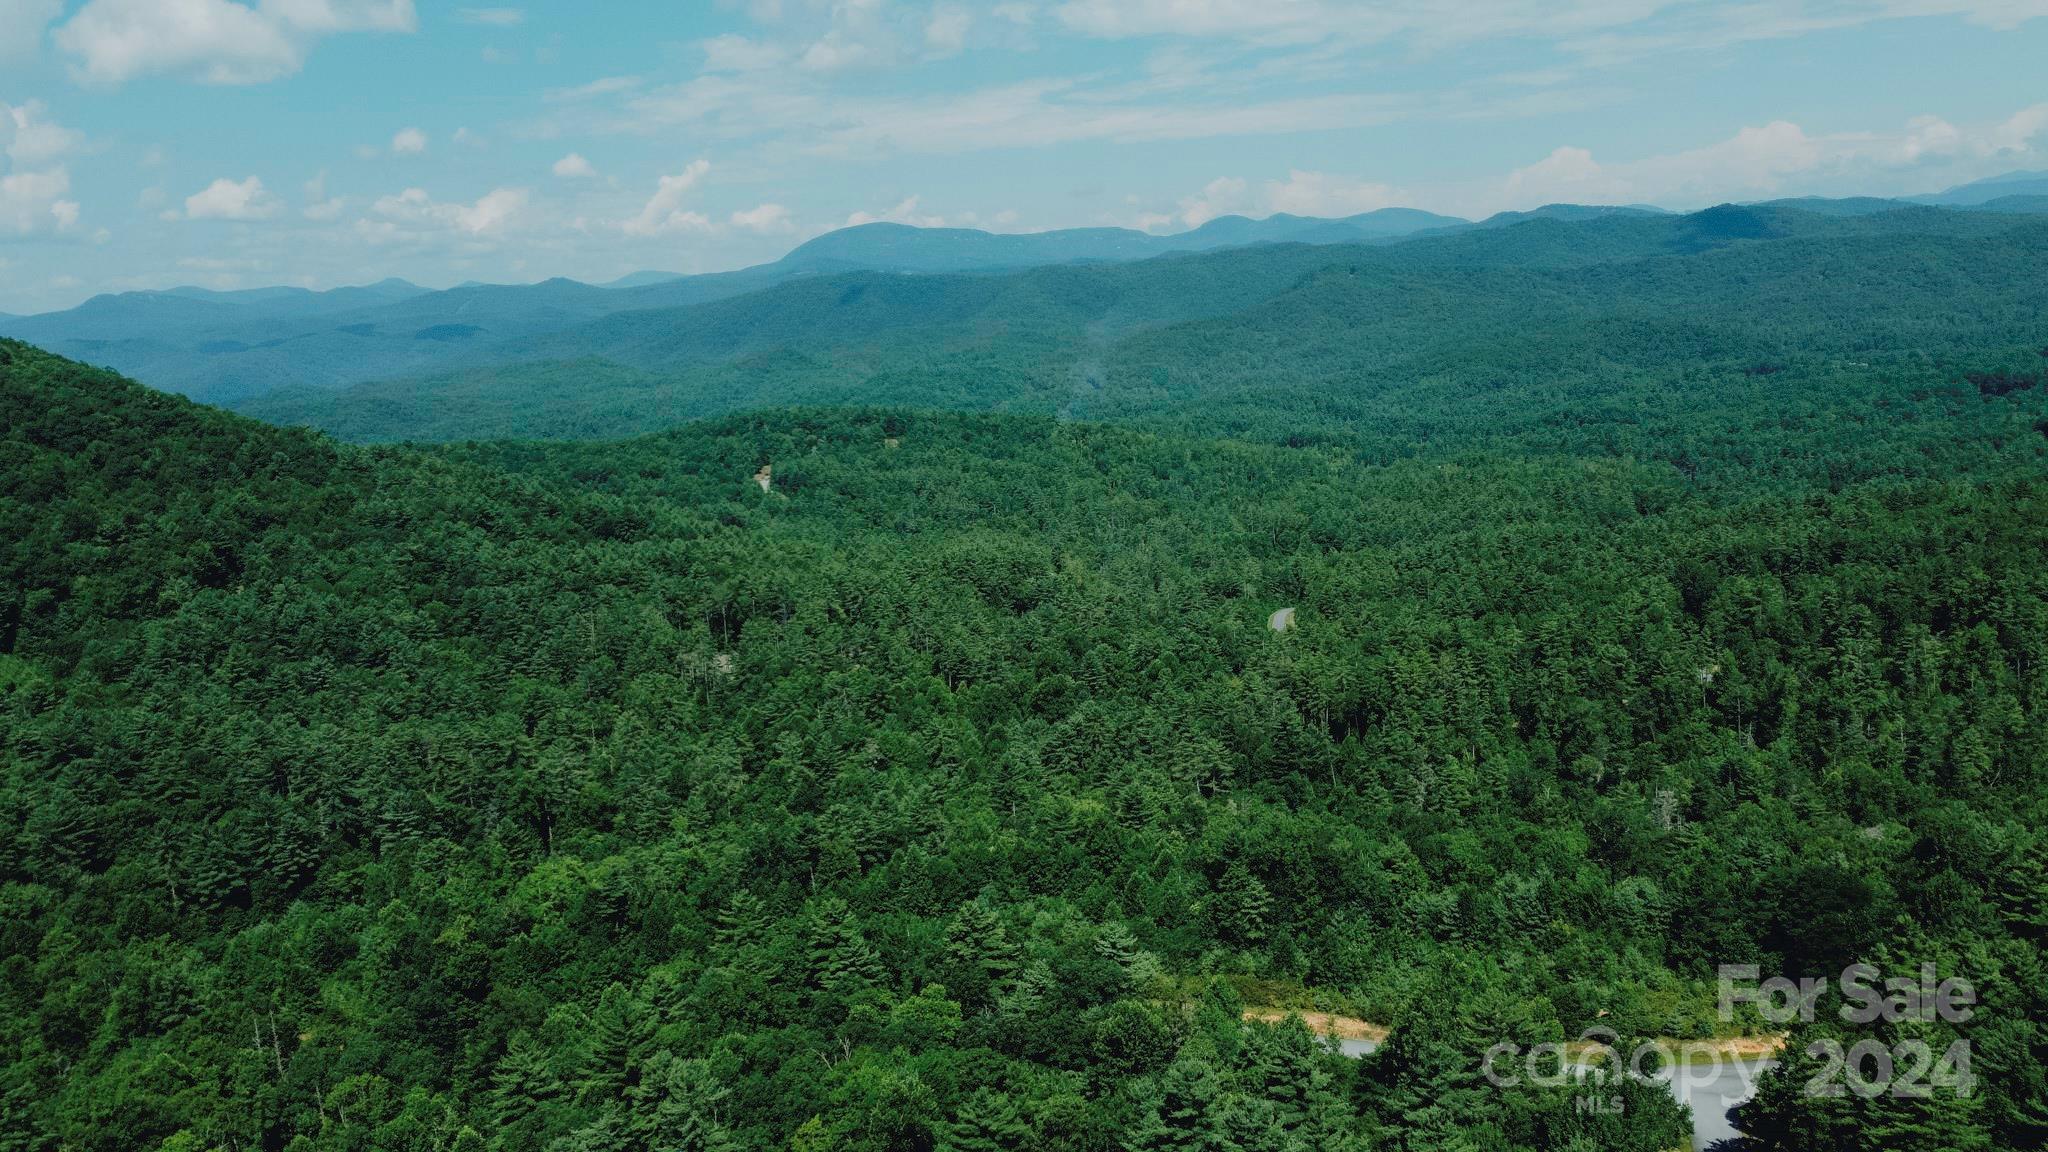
[1988, 191]
[227, 347]
[1071, 339]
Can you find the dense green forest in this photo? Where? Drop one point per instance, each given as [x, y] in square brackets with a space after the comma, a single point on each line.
[1669, 594]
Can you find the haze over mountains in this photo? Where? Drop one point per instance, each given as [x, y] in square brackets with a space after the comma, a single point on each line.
[237, 347]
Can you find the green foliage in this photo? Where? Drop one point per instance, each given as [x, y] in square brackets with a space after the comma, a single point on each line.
[528, 795]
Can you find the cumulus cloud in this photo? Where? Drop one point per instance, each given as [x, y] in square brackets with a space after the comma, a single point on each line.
[604, 86]
[226, 199]
[766, 220]
[1223, 196]
[1039, 112]
[664, 211]
[574, 167]
[35, 201]
[1320, 194]
[492, 17]
[1595, 27]
[216, 41]
[35, 189]
[821, 38]
[905, 212]
[1757, 161]
[320, 207]
[409, 142]
[1781, 158]
[2019, 133]
[1291, 19]
[30, 138]
[413, 214]
[22, 23]
[945, 34]
[733, 53]
[1301, 194]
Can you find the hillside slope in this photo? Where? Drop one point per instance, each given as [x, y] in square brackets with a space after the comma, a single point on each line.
[1507, 328]
[507, 794]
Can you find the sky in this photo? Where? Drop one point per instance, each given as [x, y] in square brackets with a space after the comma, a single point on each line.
[237, 143]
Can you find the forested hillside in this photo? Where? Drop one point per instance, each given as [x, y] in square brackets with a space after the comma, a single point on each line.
[869, 778]
[1638, 325]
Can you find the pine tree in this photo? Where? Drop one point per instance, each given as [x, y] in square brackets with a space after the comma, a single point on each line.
[1118, 945]
[979, 955]
[688, 1117]
[610, 1132]
[2022, 891]
[741, 935]
[621, 1038]
[841, 959]
[987, 1122]
[1034, 987]
[523, 1084]
[1239, 909]
[1185, 1110]
[742, 922]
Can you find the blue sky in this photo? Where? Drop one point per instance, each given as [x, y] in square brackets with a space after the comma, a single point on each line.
[232, 143]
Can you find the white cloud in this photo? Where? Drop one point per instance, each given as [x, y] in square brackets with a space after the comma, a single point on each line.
[827, 36]
[22, 23]
[601, 87]
[226, 199]
[574, 167]
[1223, 196]
[320, 207]
[412, 214]
[905, 212]
[1707, 27]
[664, 211]
[767, 220]
[492, 17]
[1928, 137]
[1028, 114]
[1320, 194]
[1780, 158]
[945, 34]
[731, 53]
[217, 41]
[409, 142]
[2019, 133]
[835, 52]
[1293, 19]
[1598, 28]
[1755, 162]
[35, 201]
[29, 138]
